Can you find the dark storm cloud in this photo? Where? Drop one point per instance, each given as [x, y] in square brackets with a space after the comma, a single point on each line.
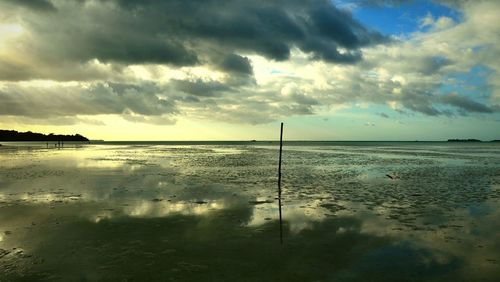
[38, 5]
[236, 64]
[451, 3]
[431, 65]
[303, 100]
[419, 101]
[465, 103]
[429, 103]
[139, 49]
[340, 27]
[326, 53]
[200, 88]
[188, 32]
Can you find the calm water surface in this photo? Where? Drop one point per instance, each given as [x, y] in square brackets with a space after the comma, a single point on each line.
[208, 212]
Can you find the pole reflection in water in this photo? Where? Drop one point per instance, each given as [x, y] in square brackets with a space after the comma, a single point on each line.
[279, 184]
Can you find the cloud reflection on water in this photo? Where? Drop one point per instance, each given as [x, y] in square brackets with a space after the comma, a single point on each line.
[183, 212]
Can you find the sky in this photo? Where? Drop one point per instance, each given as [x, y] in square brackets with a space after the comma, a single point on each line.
[235, 69]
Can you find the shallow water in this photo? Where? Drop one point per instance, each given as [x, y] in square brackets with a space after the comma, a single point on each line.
[209, 212]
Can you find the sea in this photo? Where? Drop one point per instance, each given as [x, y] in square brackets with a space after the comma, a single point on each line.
[210, 211]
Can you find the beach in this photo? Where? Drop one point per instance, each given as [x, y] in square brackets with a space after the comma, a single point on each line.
[352, 211]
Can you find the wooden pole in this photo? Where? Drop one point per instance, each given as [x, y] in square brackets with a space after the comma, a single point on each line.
[279, 184]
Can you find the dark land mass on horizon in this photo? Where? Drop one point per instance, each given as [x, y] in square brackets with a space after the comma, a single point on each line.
[464, 140]
[12, 135]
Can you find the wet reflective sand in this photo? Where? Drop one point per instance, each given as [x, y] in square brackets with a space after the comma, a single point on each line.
[208, 213]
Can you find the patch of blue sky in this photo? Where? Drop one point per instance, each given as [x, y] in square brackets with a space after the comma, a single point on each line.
[473, 83]
[276, 71]
[400, 19]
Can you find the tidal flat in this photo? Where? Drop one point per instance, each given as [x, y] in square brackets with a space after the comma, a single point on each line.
[395, 211]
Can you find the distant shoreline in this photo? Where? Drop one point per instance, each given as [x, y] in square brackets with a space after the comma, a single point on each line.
[15, 136]
[464, 140]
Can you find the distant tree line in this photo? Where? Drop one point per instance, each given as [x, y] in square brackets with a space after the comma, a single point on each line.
[12, 135]
[470, 140]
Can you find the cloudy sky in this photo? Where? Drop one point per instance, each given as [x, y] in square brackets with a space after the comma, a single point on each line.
[233, 69]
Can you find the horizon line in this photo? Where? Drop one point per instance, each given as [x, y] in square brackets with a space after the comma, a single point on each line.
[293, 140]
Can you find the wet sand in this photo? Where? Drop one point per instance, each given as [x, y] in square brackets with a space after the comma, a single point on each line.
[208, 212]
